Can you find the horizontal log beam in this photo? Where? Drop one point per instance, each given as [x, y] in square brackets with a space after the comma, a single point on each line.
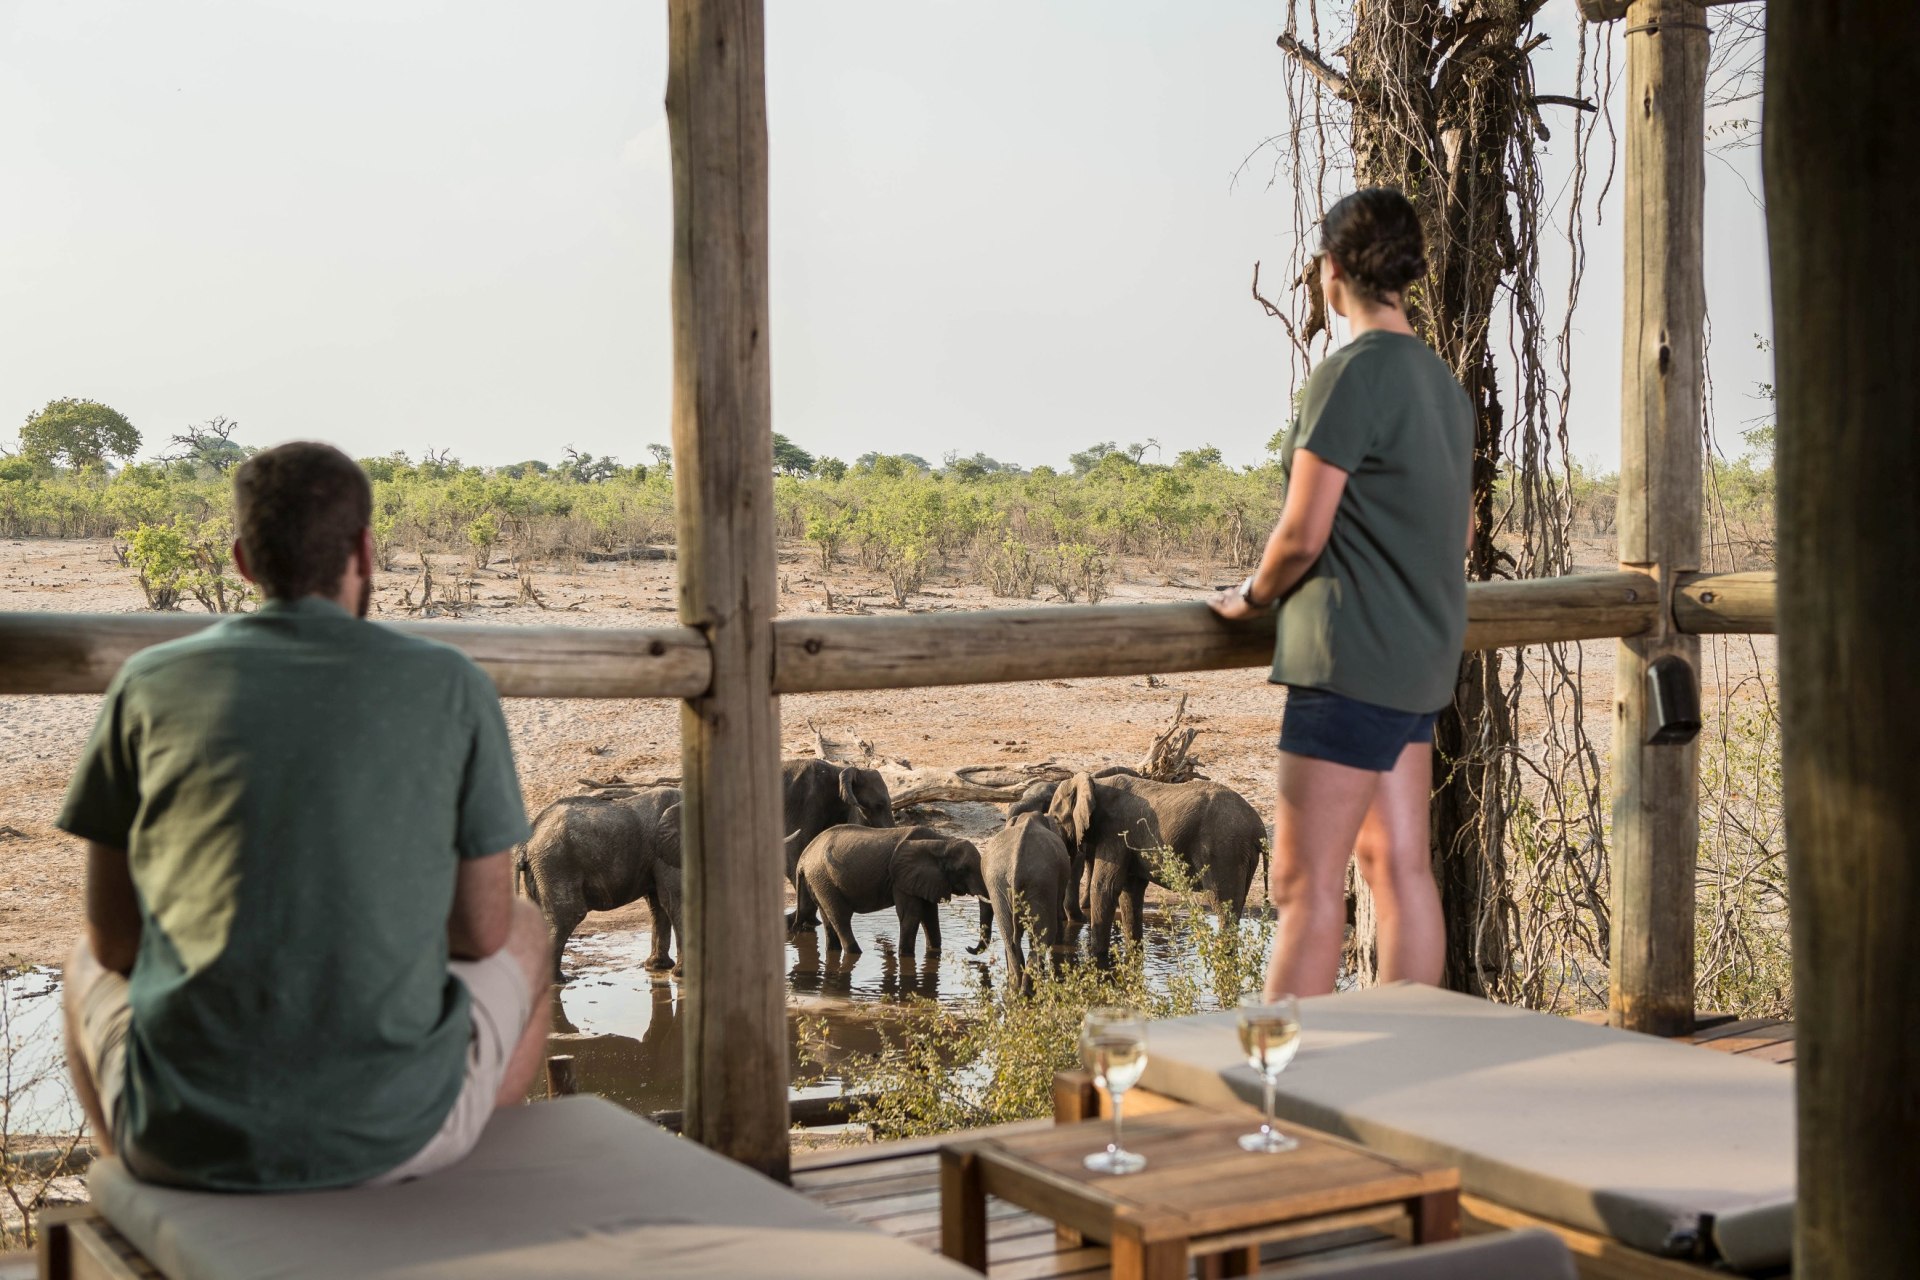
[1724, 603]
[1614, 10]
[79, 652]
[818, 654]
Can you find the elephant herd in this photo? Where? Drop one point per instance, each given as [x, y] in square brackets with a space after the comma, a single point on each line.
[1073, 851]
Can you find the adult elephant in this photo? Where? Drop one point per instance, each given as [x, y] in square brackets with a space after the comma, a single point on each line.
[1216, 832]
[596, 853]
[851, 870]
[819, 795]
[1029, 874]
[1111, 824]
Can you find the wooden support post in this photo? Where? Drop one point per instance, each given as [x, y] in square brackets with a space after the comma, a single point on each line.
[561, 1080]
[736, 1039]
[1655, 808]
[1842, 177]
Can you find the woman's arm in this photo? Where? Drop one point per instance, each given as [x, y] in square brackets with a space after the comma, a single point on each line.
[1306, 520]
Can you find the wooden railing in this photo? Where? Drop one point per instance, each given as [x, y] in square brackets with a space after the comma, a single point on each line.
[44, 653]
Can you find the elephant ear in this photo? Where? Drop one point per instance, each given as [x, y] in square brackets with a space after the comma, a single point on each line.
[1072, 808]
[850, 795]
[919, 870]
[964, 872]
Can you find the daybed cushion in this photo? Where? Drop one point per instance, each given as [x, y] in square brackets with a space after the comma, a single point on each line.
[1622, 1134]
[1507, 1255]
[570, 1188]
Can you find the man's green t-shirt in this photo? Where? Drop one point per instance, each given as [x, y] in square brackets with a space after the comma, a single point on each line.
[294, 789]
[1382, 614]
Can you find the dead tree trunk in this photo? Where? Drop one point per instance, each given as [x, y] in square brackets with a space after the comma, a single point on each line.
[1842, 174]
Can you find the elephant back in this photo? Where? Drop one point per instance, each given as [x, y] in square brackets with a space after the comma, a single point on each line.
[1206, 823]
[608, 847]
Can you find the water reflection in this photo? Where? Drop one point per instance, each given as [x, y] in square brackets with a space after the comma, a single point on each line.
[622, 1024]
[36, 1093]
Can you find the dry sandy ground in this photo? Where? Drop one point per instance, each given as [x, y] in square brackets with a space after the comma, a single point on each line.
[1074, 722]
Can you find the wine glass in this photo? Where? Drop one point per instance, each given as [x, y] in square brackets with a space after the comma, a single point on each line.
[1270, 1036]
[1113, 1048]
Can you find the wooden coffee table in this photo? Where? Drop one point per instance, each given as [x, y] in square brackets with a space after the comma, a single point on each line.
[1199, 1195]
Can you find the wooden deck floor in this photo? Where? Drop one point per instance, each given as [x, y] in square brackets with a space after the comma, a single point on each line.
[1762, 1039]
[895, 1187]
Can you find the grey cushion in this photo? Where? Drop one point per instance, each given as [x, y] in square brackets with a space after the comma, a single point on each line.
[1759, 1235]
[1509, 1255]
[571, 1188]
[1622, 1134]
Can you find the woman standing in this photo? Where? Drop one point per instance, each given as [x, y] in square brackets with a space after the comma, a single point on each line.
[1367, 567]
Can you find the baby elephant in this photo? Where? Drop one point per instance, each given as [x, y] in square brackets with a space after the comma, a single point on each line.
[852, 870]
[1028, 872]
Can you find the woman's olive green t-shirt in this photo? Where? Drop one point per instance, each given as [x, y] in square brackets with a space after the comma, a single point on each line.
[1382, 614]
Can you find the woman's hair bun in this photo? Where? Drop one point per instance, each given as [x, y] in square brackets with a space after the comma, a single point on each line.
[1376, 237]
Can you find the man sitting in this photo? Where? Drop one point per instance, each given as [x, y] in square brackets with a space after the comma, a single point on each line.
[304, 965]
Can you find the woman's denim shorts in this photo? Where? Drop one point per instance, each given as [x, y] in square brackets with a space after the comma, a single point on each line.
[1360, 735]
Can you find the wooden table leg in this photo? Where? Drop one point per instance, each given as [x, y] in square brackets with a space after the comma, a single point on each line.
[1135, 1260]
[1436, 1216]
[963, 1209]
[1244, 1261]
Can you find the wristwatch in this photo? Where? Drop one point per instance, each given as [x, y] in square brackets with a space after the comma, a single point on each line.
[1246, 595]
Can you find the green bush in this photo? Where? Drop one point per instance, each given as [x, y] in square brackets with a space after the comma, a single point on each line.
[173, 562]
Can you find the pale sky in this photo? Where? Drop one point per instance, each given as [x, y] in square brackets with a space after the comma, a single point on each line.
[998, 225]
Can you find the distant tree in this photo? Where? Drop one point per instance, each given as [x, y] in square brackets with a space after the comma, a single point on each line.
[890, 466]
[387, 467]
[975, 467]
[789, 459]
[830, 469]
[915, 460]
[662, 456]
[522, 470]
[1139, 450]
[584, 468]
[210, 445]
[1199, 459]
[77, 433]
[1089, 458]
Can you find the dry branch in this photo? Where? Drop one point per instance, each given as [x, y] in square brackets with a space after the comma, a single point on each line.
[1318, 66]
[1169, 757]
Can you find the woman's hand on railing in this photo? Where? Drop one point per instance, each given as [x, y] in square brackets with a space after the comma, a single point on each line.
[1232, 605]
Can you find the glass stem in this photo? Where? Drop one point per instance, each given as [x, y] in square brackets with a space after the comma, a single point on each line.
[1118, 1099]
[1269, 1121]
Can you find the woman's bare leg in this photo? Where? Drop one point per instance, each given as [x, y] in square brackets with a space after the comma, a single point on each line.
[1317, 817]
[1394, 858]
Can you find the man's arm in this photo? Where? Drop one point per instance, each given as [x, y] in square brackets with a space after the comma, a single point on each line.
[113, 908]
[482, 906]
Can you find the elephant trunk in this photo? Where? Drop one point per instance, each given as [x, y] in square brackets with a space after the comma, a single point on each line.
[986, 928]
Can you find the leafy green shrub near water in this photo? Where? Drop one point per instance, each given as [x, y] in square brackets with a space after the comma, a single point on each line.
[992, 1060]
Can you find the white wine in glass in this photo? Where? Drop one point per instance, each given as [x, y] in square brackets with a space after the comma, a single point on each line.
[1269, 1036]
[1113, 1048]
